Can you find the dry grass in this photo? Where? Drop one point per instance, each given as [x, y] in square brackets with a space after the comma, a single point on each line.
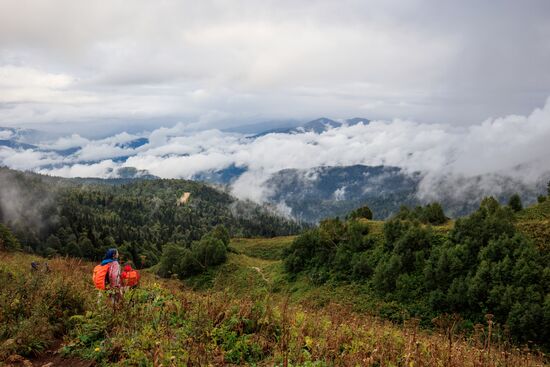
[165, 324]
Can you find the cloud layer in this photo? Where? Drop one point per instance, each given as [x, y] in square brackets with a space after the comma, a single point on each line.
[514, 145]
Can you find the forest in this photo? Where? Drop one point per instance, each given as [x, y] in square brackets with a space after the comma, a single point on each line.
[480, 268]
[82, 218]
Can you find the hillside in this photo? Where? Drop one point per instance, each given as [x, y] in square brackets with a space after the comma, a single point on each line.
[165, 323]
[534, 221]
[83, 218]
[257, 297]
[322, 192]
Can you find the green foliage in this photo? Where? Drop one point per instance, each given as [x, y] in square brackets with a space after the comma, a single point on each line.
[431, 213]
[362, 212]
[182, 261]
[7, 239]
[482, 266]
[85, 218]
[35, 307]
[209, 251]
[541, 199]
[515, 203]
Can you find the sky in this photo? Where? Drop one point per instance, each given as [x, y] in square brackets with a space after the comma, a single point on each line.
[453, 90]
[97, 68]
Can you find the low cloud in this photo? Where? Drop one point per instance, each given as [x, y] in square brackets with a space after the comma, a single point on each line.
[513, 146]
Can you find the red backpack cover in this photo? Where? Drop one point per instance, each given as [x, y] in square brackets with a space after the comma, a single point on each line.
[101, 272]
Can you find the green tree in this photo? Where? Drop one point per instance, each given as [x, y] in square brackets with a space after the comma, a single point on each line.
[221, 233]
[7, 239]
[170, 260]
[209, 251]
[362, 212]
[515, 203]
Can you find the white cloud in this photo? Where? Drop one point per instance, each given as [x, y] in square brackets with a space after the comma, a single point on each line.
[216, 63]
[6, 134]
[103, 169]
[66, 142]
[26, 159]
[515, 146]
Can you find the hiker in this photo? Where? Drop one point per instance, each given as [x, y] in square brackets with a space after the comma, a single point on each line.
[107, 275]
[130, 277]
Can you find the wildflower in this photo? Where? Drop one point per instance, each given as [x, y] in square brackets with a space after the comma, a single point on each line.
[96, 349]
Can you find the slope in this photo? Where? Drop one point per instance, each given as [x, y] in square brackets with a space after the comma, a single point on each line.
[163, 323]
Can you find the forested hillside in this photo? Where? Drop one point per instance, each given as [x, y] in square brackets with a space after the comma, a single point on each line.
[492, 265]
[82, 219]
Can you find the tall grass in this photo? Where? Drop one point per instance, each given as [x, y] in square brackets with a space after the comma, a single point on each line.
[164, 324]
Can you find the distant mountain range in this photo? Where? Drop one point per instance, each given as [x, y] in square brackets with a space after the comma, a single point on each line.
[335, 191]
[313, 194]
[317, 126]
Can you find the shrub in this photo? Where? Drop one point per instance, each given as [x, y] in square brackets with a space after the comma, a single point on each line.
[209, 251]
[515, 203]
[362, 212]
[186, 261]
[7, 239]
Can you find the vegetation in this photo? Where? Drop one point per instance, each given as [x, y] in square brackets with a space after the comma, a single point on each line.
[515, 203]
[183, 262]
[431, 213]
[162, 324]
[71, 217]
[481, 266]
[7, 239]
[462, 293]
[362, 212]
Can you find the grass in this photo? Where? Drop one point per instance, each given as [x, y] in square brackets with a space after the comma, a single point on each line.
[262, 248]
[244, 312]
[165, 323]
[534, 222]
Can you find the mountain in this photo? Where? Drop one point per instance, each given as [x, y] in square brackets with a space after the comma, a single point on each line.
[133, 144]
[224, 176]
[84, 217]
[335, 191]
[323, 192]
[13, 144]
[260, 127]
[317, 126]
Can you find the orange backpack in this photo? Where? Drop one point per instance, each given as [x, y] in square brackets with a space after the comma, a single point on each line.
[100, 275]
[131, 278]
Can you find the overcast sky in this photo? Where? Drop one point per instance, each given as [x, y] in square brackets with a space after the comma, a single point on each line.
[81, 65]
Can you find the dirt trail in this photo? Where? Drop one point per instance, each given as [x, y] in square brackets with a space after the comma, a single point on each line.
[261, 273]
[50, 358]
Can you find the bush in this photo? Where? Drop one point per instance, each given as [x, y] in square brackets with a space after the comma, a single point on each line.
[362, 212]
[186, 261]
[515, 203]
[209, 251]
[221, 233]
[431, 213]
[7, 239]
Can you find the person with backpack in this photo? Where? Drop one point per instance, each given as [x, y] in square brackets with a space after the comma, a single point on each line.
[107, 275]
[130, 277]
